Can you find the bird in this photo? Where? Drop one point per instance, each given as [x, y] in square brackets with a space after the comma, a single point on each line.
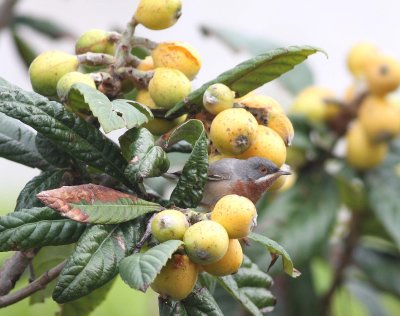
[249, 178]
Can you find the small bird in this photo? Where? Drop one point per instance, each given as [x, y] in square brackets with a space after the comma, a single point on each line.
[249, 178]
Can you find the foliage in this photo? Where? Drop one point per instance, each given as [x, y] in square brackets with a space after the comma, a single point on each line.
[108, 221]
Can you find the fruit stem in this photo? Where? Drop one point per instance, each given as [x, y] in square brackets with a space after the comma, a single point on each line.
[144, 43]
[125, 44]
[95, 59]
[140, 79]
[145, 237]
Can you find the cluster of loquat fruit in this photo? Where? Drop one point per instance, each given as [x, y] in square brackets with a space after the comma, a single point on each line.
[210, 245]
[368, 117]
[253, 125]
[170, 66]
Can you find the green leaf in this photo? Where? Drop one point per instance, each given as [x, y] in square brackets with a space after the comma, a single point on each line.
[189, 190]
[369, 296]
[381, 268]
[229, 284]
[145, 159]
[42, 25]
[113, 115]
[69, 132]
[383, 185]
[25, 51]
[51, 153]
[140, 269]
[37, 227]
[301, 295]
[208, 281]
[249, 286]
[96, 259]
[250, 275]
[352, 189]
[294, 81]
[47, 258]
[96, 204]
[201, 303]
[167, 307]
[17, 143]
[87, 304]
[307, 207]
[46, 180]
[276, 250]
[251, 74]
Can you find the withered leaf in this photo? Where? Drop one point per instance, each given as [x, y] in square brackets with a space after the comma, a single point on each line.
[92, 203]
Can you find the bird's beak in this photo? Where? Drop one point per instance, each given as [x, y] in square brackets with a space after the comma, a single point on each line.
[273, 176]
[284, 172]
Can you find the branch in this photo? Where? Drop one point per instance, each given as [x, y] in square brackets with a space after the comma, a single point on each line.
[6, 12]
[345, 258]
[13, 269]
[144, 43]
[95, 59]
[125, 44]
[33, 287]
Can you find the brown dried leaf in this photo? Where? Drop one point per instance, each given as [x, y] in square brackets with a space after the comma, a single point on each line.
[64, 199]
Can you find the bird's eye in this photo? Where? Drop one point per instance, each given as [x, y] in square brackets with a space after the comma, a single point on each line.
[263, 169]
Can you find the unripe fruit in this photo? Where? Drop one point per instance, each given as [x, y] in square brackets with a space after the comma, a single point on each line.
[361, 152]
[160, 126]
[359, 56]
[168, 87]
[311, 103]
[382, 75]
[65, 83]
[146, 64]
[217, 98]
[47, 68]
[169, 224]
[233, 131]
[177, 278]
[177, 55]
[95, 41]
[206, 242]
[143, 97]
[237, 214]
[268, 145]
[379, 119]
[158, 14]
[229, 263]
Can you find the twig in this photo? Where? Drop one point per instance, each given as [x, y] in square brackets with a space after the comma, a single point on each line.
[345, 258]
[13, 269]
[144, 43]
[145, 237]
[37, 285]
[95, 59]
[6, 12]
[139, 78]
[32, 274]
[125, 44]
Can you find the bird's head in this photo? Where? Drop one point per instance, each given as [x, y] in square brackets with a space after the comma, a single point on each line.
[260, 170]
